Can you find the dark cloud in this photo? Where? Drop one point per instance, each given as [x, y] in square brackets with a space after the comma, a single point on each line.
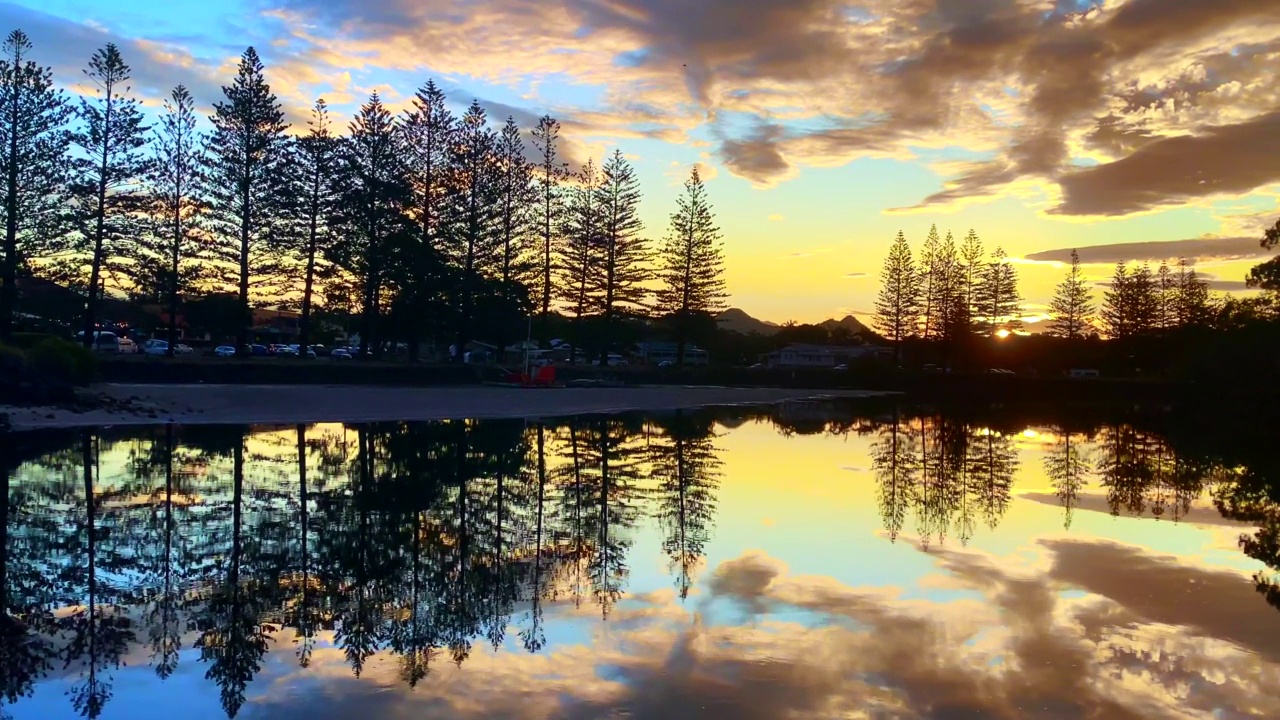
[1198, 249]
[1229, 159]
[1139, 84]
[756, 158]
[855, 275]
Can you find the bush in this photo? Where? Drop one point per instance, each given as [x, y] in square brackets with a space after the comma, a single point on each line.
[62, 361]
[28, 340]
[13, 362]
[47, 360]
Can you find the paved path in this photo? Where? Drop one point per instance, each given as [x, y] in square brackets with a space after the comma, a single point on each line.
[287, 404]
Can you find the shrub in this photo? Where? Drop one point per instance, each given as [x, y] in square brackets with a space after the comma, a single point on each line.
[62, 361]
[13, 362]
[28, 340]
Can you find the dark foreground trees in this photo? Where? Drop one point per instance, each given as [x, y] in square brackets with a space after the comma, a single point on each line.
[425, 226]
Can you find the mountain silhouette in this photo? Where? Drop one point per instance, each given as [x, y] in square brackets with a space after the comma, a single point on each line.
[738, 320]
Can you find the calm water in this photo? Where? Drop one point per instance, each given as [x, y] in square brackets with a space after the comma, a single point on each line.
[803, 562]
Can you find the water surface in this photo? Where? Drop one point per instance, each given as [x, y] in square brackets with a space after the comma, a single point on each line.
[808, 561]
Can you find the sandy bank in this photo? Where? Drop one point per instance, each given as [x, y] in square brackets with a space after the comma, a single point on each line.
[286, 404]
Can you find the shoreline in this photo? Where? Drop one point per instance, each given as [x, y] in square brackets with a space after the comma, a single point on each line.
[206, 404]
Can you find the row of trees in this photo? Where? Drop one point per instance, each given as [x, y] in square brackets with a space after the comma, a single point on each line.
[949, 292]
[1137, 303]
[952, 291]
[424, 224]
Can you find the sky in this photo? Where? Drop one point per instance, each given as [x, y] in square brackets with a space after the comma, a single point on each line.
[1133, 130]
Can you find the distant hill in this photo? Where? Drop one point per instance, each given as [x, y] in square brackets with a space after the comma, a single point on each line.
[737, 320]
[851, 323]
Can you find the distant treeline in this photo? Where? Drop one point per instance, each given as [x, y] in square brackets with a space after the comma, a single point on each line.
[941, 305]
[423, 225]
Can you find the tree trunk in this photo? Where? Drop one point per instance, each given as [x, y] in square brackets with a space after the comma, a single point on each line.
[100, 221]
[304, 323]
[9, 281]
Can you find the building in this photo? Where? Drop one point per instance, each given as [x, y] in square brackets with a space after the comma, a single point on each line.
[656, 353]
[822, 356]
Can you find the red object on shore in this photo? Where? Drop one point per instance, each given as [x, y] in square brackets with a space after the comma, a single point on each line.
[544, 377]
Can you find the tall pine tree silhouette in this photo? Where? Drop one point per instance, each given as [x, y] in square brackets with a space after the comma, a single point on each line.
[691, 264]
[624, 253]
[169, 253]
[34, 138]
[1072, 305]
[247, 182]
[898, 304]
[106, 192]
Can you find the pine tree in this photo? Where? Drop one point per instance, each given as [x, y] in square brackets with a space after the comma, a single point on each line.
[1130, 306]
[515, 216]
[1191, 297]
[1166, 299]
[898, 305]
[971, 270]
[169, 253]
[931, 284]
[946, 291]
[428, 128]
[473, 232]
[247, 180]
[997, 295]
[1072, 305]
[373, 210]
[691, 263]
[105, 187]
[34, 138]
[1116, 305]
[1145, 301]
[551, 175]
[579, 253]
[314, 163]
[624, 253]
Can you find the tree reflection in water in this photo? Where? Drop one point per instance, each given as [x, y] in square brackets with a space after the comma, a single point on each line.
[427, 540]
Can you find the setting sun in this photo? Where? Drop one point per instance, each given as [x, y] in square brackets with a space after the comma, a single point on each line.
[1002, 333]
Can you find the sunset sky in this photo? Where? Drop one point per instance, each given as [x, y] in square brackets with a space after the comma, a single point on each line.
[1131, 129]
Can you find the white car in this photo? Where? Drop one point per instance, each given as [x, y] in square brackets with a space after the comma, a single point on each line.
[181, 349]
[224, 351]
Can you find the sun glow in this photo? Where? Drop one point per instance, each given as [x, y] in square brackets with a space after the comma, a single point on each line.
[1003, 333]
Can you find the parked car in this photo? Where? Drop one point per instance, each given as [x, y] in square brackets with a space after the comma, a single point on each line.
[666, 364]
[128, 347]
[155, 348]
[841, 368]
[181, 349]
[257, 350]
[340, 354]
[297, 351]
[103, 341]
[224, 351]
